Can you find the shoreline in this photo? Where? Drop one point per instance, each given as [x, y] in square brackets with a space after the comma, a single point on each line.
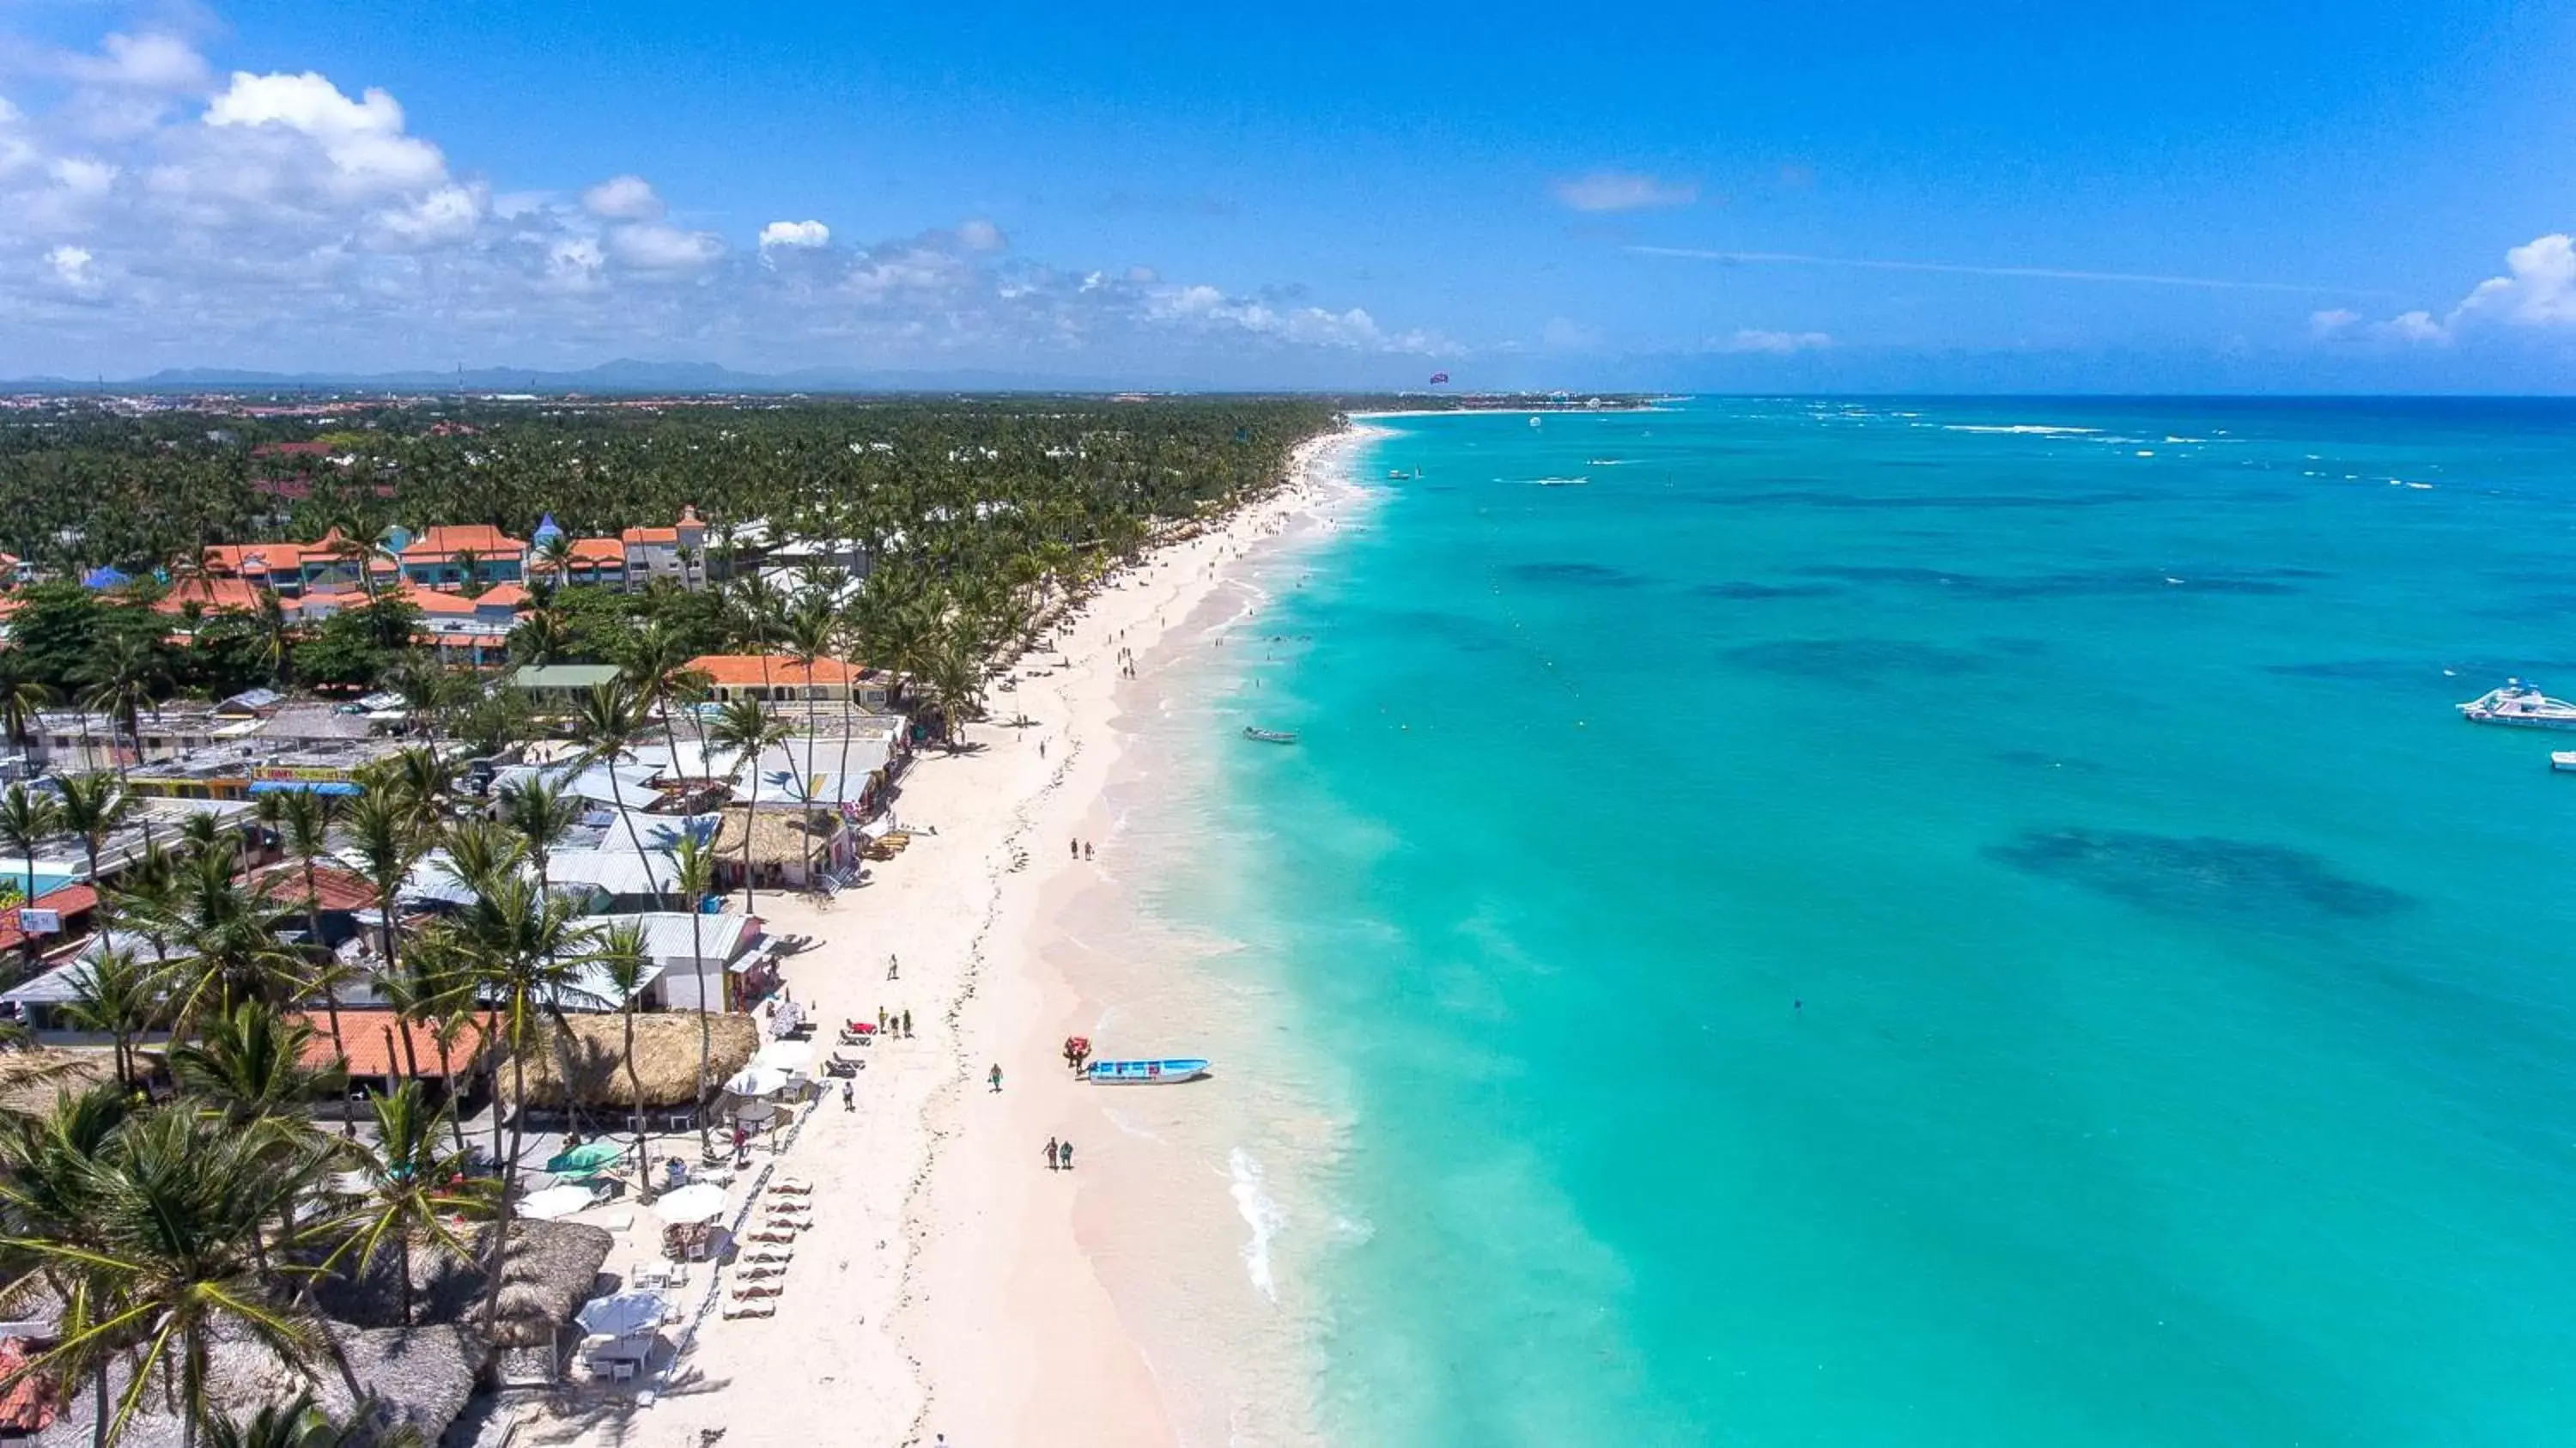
[947, 1286]
[1031, 1316]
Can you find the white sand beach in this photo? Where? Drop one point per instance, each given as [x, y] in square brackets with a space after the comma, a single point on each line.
[950, 1283]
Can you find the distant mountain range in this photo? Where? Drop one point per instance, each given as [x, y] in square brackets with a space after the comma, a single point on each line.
[623, 375]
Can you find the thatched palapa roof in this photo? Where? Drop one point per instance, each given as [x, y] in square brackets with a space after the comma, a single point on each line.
[666, 1058]
[421, 1376]
[32, 1080]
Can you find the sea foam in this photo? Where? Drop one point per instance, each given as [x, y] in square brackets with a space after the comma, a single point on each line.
[1262, 1212]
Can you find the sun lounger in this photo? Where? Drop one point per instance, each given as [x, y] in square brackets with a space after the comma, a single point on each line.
[758, 1271]
[793, 1184]
[791, 1189]
[751, 1290]
[770, 1234]
[770, 1254]
[751, 1309]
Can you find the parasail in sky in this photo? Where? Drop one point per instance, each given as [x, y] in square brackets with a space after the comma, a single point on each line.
[1439, 377]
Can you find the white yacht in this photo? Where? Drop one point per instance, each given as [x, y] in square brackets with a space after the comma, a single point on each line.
[2521, 705]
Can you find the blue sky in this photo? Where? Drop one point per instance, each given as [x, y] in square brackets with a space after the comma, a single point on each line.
[2183, 196]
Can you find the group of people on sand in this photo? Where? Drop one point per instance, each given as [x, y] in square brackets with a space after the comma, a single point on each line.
[1081, 850]
[1059, 1154]
[891, 1024]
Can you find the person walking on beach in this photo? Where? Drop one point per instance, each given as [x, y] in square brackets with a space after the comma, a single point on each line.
[1086, 849]
[1050, 1153]
[1064, 1154]
[996, 1078]
[849, 1094]
[1075, 846]
[907, 1024]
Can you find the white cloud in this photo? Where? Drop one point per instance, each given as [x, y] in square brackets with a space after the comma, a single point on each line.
[1624, 191]
[363, 138]
[287, 219]
[2416, 326]
[2333, 321]
[1753, 339]
[653, 247]
[623, 198]
[795, 233]
[150, 61]
[2537, 290]
[70, 266]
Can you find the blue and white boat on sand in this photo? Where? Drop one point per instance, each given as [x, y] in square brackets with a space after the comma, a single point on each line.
[1145, 1073]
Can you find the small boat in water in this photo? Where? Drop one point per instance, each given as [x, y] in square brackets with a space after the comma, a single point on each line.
[2521, 706]
[1270, 736]
[1145, 1073]
[2563, 760]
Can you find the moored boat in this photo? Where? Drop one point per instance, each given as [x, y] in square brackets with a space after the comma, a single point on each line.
[2564, 761]
[1145, 1073]
[1270, 736]
[2521, 706]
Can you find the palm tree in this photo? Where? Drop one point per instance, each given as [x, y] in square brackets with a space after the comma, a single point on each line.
[182, 1205]
[122, 676]
[414, 1186]
[693, 871]
[94, 807]
[418, 783]
[21, 698]
[146, 894]
[657, 665]
[248, 1065]
[540, 815]
[956, 675]
[610, 721]
[746, 729]
[516, 937]
[299, 1423]
[387, 847]
[623, 962]
[306, 818]
[223, 926]
[28, 818]
[118, 997]
[49, 1167]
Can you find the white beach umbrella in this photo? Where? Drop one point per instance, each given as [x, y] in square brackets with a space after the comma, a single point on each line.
[624, 1315]
[696, 1202]
[556, 1202]
[758, 1080]
[783, 1056]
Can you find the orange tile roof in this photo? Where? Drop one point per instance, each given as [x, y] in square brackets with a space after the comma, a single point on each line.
[650, 535]
[69, 901]
[750, 670]
[374, 1041]
[501, 595]
[435, 602]
[215, 592]
[249, 558]
[333, 888]
[598, 550]
[448, 539]
[28, 1405]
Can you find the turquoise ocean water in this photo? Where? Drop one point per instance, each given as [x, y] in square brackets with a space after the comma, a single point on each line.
[1929, 923]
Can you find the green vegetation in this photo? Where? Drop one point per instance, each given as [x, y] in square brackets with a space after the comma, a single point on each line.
[972, 514]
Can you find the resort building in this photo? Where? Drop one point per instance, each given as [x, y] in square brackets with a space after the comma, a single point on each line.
[678, 553]
[559, 688]
[783, 678]
[445, 556]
